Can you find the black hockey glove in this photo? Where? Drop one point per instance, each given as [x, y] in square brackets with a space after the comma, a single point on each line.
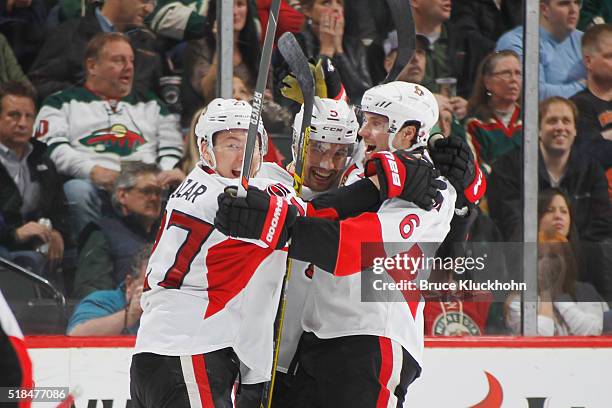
[404, 175]
[453, 157]
[258, 216]
[327, 80]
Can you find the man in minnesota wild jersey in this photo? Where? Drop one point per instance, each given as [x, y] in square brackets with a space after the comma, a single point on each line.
[92, 129]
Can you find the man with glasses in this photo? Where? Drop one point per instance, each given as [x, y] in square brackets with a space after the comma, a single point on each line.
[562, 72]
[92, 129]
[109, 244]
[113, 312]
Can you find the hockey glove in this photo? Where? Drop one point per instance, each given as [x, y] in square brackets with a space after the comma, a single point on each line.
[258, 216]
[453, 157]
[327, 82]
[403, 175]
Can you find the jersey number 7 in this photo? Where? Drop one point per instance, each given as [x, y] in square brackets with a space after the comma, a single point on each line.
[198, 232]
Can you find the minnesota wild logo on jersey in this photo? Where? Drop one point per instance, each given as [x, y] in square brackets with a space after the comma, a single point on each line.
[455, 324]
[117, 139]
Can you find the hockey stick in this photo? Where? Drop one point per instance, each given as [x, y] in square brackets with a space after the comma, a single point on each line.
[295, 58]
[260, 86]
[293, 55]
[401, 10]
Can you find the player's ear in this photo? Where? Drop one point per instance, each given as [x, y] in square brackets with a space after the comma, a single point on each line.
[405, 137]
[206, 153]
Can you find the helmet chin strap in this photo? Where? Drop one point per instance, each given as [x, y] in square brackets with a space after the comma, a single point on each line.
[391, 139]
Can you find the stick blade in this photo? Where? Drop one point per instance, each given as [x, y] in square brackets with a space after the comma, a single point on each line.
[292, 53]
[401, 11]
[295, 58]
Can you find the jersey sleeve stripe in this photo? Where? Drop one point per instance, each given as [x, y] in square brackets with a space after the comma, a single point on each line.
[386, 368]
[354, 232]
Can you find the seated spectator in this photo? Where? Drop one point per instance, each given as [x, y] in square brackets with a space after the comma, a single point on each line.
[594, 104]
[201, 58]
[414, 71]
[30, 187]
[113, 312]
[560, 165]
[452, 109]
[108, 245]
[566, 307]
[479, 23]
[59, 64]
[444, 57]
[561, 70]
[494, 126]
[323, 36]
[594, 12]
[9, 67]
[454, 313]
[91, 130]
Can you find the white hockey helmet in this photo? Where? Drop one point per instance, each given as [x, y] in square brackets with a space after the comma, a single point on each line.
[403, 103]
[332, 122]
[225, 114]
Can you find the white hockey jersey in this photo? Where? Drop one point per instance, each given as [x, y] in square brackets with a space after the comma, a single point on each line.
[334, 306]
[205, 291]
[83, 130]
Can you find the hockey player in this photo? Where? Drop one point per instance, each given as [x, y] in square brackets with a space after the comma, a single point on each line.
[332, 142]
[209, 301]
[356, 353]
[15, 363]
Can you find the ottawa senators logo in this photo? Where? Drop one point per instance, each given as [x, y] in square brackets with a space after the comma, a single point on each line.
[278, 190]
[118, 139]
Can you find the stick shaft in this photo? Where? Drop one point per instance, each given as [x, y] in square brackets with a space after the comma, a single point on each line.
[260, 86]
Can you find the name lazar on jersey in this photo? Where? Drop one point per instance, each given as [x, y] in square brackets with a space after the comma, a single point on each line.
[189, 190]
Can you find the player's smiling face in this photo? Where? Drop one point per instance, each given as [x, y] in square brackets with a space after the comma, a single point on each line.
[323, 163]
[375, 133]
[229, 152]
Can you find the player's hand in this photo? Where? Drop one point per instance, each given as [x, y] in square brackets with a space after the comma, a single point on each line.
[258, 216]
[103, 177]
[453, 157]
[404, 175]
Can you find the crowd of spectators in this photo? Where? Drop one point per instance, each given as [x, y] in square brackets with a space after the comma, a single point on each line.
[96, 98]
